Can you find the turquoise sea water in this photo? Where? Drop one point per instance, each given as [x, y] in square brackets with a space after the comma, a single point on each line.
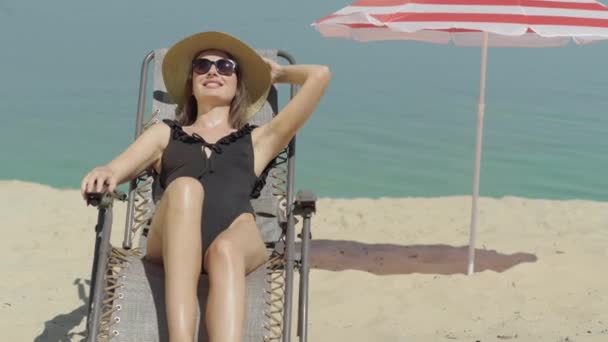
[398, 120]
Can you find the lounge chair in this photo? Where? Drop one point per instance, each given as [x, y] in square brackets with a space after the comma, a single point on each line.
[127, 301]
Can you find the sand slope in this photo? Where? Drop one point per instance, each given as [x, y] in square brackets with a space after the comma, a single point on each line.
[384, 269]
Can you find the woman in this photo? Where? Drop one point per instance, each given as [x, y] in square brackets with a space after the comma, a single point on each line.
[209, 163]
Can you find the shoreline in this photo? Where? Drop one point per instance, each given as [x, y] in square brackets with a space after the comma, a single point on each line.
[384, 197]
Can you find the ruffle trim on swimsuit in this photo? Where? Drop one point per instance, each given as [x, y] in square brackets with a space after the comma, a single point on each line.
[261, 181]
[178, 133]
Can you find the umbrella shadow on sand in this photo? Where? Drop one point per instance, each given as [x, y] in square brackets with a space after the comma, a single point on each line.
[385, 259]
[60, 327]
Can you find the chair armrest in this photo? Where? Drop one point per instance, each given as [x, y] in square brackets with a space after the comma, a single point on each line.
[104, 199]
[305, 203]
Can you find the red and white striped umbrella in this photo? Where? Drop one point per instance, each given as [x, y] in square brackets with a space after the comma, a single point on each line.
[506, 23]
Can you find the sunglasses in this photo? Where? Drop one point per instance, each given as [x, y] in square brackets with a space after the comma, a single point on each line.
[223, 66]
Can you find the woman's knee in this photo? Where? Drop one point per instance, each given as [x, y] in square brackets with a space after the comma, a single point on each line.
[221, 253]
[185, 191]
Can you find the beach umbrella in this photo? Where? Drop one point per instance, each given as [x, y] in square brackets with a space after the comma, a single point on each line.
[484, 23]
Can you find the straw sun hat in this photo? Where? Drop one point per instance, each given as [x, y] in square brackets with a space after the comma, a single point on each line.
[254, 72]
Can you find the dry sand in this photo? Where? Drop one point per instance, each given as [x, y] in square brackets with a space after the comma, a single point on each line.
[383, 269]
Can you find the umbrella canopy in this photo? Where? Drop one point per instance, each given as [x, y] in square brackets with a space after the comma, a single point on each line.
[533, 23]
[504, 23]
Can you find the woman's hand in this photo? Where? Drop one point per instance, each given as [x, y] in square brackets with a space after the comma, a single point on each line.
[96, 179]
[276, 70]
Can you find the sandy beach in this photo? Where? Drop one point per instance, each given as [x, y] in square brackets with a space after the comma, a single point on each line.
[383, 269]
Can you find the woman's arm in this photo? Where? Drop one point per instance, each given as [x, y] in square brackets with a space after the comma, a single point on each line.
[142, 153]
[271, 138]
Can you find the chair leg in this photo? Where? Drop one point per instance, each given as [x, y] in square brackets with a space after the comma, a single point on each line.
[103, 231]
[305, 205]
[304, 273]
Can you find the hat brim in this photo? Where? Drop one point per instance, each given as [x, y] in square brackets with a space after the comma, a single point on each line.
[254, 72]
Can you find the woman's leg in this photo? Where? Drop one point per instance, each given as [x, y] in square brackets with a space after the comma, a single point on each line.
[233, 254]
[175, 240]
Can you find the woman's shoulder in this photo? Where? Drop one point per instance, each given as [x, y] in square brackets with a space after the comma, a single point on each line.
[162, 127]
[158, 133]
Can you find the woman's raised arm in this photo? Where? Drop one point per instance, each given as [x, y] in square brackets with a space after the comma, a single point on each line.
[271, 138]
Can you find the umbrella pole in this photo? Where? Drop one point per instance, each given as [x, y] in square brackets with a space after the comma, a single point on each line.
[480, 114]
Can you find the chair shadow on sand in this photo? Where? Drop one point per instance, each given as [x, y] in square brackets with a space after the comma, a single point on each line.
[60, 327]
[386, 259]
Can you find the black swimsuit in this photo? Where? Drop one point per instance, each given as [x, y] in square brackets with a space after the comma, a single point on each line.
[227, 176]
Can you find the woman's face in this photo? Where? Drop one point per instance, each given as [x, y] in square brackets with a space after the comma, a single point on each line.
[214, 84]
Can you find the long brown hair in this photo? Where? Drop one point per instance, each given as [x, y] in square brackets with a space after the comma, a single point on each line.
[186, 112]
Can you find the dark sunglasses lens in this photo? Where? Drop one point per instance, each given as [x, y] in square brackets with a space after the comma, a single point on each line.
[224, 67]
[201, 66]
